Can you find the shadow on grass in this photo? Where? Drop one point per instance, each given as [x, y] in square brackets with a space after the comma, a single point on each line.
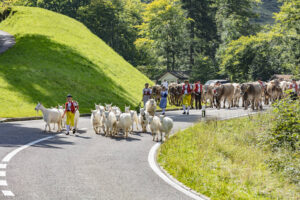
[45, 71]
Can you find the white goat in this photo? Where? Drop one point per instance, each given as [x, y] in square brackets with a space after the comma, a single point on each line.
[63, 120]
[155, 124]
[110, 123]
[99, 107]
[108, 107]
[151, 107]
[134, 117]
[76, 119]
[124, 123]
[143, 119]
[50, 116]
[96, 120]
[166, 126]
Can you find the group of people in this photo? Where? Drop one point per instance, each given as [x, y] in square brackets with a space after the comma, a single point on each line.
[187, 90]
[197, 88]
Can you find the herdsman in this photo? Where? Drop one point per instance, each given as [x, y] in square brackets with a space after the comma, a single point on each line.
[186, 91]
[70, 109]
[198, 93]
[263, 84]
[146, 94]
[294, 88]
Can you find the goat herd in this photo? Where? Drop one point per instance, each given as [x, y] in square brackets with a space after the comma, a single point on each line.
[252, 93]
[111, 121]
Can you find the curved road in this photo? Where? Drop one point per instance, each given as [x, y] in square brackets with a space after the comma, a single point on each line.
[87, 166]
[6, 41]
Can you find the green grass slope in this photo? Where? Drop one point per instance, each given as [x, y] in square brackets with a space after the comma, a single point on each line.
[55, 55]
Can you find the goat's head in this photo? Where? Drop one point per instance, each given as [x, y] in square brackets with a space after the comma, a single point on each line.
[38, 106]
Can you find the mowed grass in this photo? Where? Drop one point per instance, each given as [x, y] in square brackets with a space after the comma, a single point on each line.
[55, 55]
[223, 160]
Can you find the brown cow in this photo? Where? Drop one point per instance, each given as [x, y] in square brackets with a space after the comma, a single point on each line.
[252, 93]
[208, 94]
[236, 94]
[156, 89]
[274, 90]
[224, 92]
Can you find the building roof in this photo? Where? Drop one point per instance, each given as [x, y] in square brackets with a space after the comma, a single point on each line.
[178, 74]
[284, 77]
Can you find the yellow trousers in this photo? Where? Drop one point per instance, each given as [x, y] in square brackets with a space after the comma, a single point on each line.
[70, 118]
[187, 99]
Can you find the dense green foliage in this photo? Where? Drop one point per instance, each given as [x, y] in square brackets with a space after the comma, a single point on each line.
[55, 55]
[265, 10]
[275, 50]
[283, 139]
[210, 39]
[227, 160]
[163, 31]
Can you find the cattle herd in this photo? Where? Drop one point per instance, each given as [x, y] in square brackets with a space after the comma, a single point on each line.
[252, 94]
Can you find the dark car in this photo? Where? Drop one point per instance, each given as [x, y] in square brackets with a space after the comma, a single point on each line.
[214, 81]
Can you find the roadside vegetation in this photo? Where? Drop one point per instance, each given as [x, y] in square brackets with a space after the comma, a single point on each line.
[255, 157]
[55, 55]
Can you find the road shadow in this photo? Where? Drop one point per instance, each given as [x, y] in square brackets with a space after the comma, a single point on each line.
[17, 134]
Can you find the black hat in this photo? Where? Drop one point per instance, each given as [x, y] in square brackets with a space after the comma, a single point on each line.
[69, 95]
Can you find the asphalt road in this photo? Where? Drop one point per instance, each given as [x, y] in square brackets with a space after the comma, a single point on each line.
[88, 166]
[6, 41]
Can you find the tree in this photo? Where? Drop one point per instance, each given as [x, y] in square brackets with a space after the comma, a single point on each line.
[164, 30]
[202, 29]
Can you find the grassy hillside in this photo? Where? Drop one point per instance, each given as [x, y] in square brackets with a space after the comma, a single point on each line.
[55, 55]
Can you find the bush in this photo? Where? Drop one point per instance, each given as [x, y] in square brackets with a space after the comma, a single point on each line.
[286, 129]
[283, 139]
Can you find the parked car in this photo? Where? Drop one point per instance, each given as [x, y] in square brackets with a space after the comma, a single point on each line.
[214, 81]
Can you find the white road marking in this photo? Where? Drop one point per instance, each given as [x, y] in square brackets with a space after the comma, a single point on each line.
[176, 184]
[9, 156]
[8, 193]
[172, 181]
[2, 166]
[83, 129]
[3, 183]
[2, 173]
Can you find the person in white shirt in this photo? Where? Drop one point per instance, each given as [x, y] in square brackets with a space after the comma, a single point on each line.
[165, 84]
[146, 94]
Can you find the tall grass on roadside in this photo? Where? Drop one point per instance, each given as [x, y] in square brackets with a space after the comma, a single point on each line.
[226, 160]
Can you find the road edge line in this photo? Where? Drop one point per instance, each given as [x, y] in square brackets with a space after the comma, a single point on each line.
[163, 174]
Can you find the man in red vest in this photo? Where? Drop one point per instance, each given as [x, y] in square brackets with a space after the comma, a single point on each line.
[294, 88]
[186, 91]
[70, 109]
[198, 94]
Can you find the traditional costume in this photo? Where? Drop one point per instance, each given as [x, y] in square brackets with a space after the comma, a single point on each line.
[186, 91]
[198, 92]
[163, 101]
[146, 95]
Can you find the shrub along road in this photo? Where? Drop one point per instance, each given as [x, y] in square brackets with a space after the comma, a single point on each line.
[88, 166]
